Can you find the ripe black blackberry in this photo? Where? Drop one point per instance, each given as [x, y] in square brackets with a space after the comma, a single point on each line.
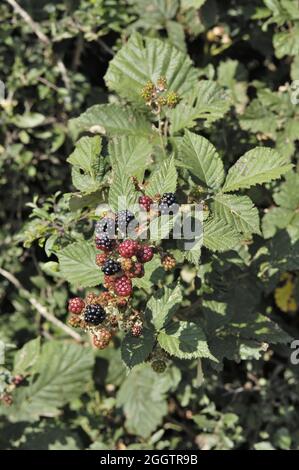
[167, 203]
[94, 314]
[123, 218]
[107, 225]
[105, 243]
[111, 267]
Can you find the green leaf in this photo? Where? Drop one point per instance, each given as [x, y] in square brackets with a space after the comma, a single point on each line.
[202, 160]
[287, 42]
[218, 236]
[207, 101]
[131, 153]
[111, 119]
[142, 396]
[176, 34]
[122, 194]
[185, 340]
[162, 306]
[77, 265]
[135, 350]
[237, 211]
[144, 59]
[27, 357]
[63, 371]
[288, 195]
[257, 166]
[28, 120]
[185, 4]
[259, 118]
[87, 171]
[163, 179]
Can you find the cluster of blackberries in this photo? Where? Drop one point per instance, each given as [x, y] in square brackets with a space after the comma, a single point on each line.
[121, 260]
[167, 204]
[122, 263]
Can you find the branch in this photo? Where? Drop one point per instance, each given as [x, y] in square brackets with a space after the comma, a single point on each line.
[39, 307]
[27, 18]
[43, 38]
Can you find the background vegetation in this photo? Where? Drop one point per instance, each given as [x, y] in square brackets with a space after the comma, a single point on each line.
[53, 62]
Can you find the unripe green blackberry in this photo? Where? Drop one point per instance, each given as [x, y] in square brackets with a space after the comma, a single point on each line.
[159, 366]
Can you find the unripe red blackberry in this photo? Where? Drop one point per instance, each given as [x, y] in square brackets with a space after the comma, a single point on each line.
[137, 270]
[168, 262]
[123, 286]
[136, 329]
[75, 321]
[145, 253]
[91, 297]
[104, 298]
[145, 202]
[128, 248]
[100, 342]
[7, 399]
[17, 380]
[159, 366]
[101, 258]
[109, 282]
[76, 305]
[127, 264]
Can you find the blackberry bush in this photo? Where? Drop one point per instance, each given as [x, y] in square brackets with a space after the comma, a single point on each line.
[184, 296]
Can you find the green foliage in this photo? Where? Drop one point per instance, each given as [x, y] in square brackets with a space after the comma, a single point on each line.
[76, 136]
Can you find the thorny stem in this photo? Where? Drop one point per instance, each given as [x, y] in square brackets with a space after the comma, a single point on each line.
[160, 130]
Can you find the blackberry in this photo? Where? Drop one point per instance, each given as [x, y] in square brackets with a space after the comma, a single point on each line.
[128, 248]
[123, 286]
[76, 305]
[105, 243]
[101, 258]
[123, 218]
[107, 226]
[145, 202]
[136, 330]
[159, 366]
[17, 380]
[111, 267]
[137, 270]
[94, 314]
[145, 254]
[168, 262]
[167, 203]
